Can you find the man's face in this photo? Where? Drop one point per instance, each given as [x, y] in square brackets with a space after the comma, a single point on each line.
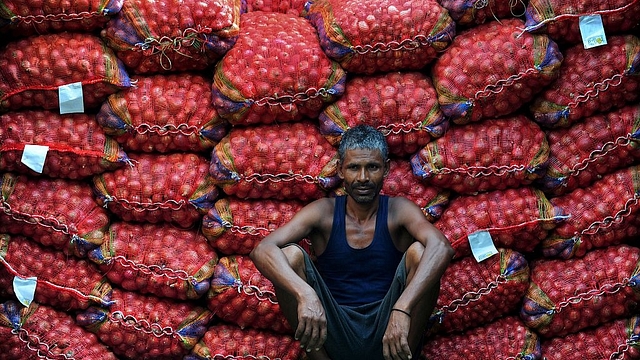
[363, 172]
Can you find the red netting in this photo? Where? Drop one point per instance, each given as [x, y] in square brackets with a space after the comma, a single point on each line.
[32, 70]
[474, 294]
[147, 327]
[506, 339]
[285, 161]
[566, 296]
[598, 215]
[175, 188]
[560, 18]
[591, 80]
[157, 259]
[494, 154]
[516, 219]
[241, 295]
[174, 35]
[293, 7]
[23, 18]
[235, 226]
[431, 199]
[596, 146]
[403, 106]
[381, 35]
[276, 71]
[40, 332]
[64, 282]
[59, 213]
[615, 340]
[77, 146]
[229, 342]
[492, 70]
[163, 113]
[468, 13]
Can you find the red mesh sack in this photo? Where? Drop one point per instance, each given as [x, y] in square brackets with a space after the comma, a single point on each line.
[517, 219]
[381, 35]
[77, 146]
[432, 200]
[163, 113]
[494, 154]
[175, 35]
[598, 145]
[229, 342]
[241, 295]
[33, 69]
[617, 339]
[22, 18]
[566, 296]
[59, 213]
[493, 69]
[468, 13]
[560, 18]
[276, 71]
[293, 7]
[156, 259]
[175, 188]
[235, 226]
[40, 332]
[591, 81]
[286, 161]
[63, 282]
[597, 216]
[403, 106]
[473, 294]
[137, 326]
[505, 338]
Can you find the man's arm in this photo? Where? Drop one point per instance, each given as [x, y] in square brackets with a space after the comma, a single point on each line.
[425, 278]
[435, 259]
[271, 261]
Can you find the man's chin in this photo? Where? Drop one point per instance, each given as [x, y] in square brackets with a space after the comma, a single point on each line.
[363, 199]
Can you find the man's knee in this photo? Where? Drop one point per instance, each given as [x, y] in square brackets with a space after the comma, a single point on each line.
[413, 255]
[296, 257]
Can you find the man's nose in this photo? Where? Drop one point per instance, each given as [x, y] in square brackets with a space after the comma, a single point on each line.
[363, 175]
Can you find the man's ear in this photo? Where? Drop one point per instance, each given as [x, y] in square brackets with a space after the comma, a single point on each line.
[387, 167]
[340, 173]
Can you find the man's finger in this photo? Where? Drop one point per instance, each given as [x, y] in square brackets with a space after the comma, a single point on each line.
[314, 337]
[323, 337]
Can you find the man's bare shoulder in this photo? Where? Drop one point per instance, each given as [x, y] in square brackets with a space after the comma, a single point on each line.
[401, 208]
[318, 210]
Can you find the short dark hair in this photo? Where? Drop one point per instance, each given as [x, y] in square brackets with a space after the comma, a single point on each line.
[363, 137]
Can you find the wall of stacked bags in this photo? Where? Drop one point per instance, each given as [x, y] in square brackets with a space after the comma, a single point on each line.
[147, 146]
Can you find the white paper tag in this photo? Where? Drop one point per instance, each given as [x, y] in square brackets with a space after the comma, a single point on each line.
[34, 156]
[592, 31]
[71, 98]
[482, 246]
[25, 288]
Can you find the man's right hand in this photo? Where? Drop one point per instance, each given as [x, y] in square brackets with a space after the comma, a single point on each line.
[312, 323]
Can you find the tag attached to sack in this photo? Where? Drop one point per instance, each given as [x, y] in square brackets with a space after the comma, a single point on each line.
[71, 98]
[482, 246]
[34, 156]
[592, 31]
[25, 289]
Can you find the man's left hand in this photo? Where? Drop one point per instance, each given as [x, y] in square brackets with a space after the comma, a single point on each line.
[395, 343]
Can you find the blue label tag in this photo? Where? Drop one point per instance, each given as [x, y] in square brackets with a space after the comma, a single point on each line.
[482, 246]
[592, 31]
[25, 289]
[34, 156]
[71, 98]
